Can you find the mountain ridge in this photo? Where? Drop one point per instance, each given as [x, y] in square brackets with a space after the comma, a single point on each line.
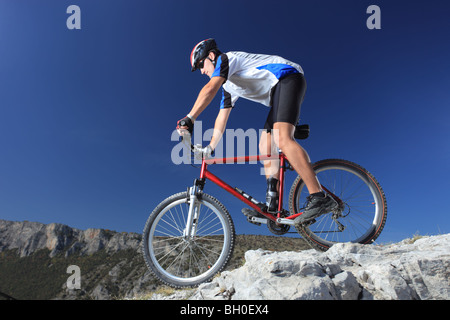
[34, 261]
[34, 258]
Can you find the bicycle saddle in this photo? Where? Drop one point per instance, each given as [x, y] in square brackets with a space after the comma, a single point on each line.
[301, 132]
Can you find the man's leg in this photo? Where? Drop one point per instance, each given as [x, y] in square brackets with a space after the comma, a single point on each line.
[268, 147]
[318, 202]
[296, 155]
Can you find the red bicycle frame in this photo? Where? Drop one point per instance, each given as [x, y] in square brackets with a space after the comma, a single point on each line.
[247, 199]
[250, 201]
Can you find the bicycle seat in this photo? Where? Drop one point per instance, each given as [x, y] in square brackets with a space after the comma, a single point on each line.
[301, 132]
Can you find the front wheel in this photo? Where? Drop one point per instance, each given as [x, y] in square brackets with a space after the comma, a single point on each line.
[186, 259]
[362, 212]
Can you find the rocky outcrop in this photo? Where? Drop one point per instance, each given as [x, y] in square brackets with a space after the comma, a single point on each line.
[28, 237]
[404, 271]
[407, 270]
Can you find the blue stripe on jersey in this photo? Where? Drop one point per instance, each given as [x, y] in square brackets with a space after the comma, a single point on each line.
[222, 102]
[226, 100]
[280, 70]
[216, 72]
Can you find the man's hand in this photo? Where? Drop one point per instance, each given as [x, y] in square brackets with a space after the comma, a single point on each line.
[205, 152]
[185, 124]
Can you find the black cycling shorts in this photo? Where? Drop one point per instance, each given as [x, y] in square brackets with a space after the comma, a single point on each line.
[286, 100]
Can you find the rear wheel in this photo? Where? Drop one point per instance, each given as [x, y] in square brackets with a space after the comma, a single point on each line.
[362, 213]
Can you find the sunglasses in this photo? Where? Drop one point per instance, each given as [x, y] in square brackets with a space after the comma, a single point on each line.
[201, 64]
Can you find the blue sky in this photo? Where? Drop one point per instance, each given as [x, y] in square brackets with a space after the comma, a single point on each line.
[86, 115]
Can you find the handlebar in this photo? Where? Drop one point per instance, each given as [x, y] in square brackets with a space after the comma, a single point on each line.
[196, 150]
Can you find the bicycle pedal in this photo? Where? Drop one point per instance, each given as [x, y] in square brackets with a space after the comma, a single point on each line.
[249, 213]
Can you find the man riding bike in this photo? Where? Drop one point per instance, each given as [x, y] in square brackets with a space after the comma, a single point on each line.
[274, 82]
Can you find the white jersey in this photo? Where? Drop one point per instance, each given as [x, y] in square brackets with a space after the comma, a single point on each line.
[251, 76]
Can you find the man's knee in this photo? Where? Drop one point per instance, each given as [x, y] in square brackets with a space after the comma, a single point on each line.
[284, 141]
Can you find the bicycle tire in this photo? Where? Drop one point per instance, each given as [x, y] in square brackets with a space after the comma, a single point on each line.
[207, 254]
[367, 213]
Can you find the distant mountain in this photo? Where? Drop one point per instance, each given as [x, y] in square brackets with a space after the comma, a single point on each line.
[34, 261]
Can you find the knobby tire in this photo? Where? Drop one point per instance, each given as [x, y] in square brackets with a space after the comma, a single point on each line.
[318, 238]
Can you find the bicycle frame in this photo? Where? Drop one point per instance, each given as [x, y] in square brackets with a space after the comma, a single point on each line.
[244, 197]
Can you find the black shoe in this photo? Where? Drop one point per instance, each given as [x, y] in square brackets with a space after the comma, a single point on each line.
[272, 201]
[272, 195]
[317, 205]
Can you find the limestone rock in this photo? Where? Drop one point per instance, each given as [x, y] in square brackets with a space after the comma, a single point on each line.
[403, 271]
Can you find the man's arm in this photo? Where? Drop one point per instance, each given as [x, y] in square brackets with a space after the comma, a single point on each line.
[206, 95]
[219, 127]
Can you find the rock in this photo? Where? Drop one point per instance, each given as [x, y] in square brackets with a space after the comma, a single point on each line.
[347, 286]
[101, 293]
[403, 271]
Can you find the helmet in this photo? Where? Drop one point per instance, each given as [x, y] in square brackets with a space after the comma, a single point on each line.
[201, 51]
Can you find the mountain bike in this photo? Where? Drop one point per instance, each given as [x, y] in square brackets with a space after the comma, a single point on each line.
[189, 237]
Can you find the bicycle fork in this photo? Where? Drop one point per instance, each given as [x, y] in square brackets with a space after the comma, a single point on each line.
[190, 230]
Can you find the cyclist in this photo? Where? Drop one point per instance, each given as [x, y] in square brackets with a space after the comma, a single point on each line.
[274, 82]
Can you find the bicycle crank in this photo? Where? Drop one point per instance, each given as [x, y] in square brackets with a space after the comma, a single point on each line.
[257, 221]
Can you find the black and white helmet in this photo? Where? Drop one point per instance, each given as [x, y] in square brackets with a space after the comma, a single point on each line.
[201, 51]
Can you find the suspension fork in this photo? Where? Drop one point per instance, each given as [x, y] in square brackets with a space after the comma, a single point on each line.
[194, 204]
[194, 210]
